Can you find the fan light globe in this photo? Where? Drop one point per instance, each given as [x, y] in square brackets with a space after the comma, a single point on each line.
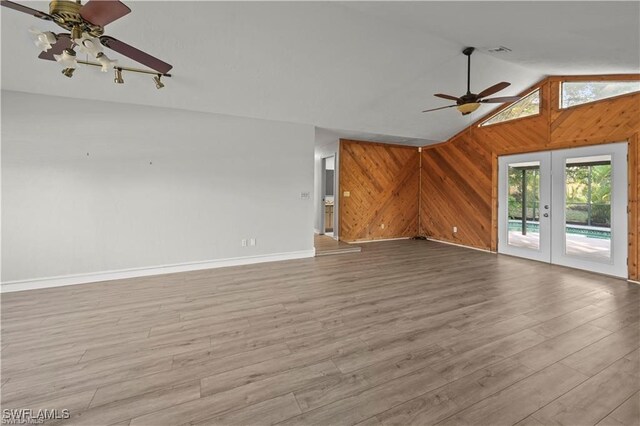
[43, 40]
[468, 108]
[67, 59]
[106, 63]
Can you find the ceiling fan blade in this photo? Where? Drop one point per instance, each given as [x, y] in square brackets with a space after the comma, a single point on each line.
[28, 10]
[136, 54]
[436, 109]
[501, 100]
[443, 96]
[64, 41]
[494, 89]
[103, 12]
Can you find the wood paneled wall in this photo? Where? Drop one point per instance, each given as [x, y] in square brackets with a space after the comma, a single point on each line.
[383, 185]
[459, 177]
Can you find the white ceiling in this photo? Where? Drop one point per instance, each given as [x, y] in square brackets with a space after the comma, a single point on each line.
[369, 67]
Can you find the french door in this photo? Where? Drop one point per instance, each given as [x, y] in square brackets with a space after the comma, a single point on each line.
[567, 207]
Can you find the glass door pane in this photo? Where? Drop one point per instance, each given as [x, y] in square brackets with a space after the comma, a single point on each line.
[588, 207]
[524, 205]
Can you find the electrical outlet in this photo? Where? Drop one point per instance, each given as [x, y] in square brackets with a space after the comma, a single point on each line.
[252, 242]
[455, 229]
[244, 243]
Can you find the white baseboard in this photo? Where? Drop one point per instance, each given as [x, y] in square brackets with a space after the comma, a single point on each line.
[635, 282]
[10, 286]
[460, 245]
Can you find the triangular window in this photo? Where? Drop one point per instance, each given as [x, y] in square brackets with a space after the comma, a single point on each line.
[528, 105]
[582, 92]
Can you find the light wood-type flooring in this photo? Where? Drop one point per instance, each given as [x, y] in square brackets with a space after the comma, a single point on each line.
[326, 246]
[405, 332]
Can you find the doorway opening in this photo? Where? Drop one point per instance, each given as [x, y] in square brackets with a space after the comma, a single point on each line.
[327, 201]
[567, 207]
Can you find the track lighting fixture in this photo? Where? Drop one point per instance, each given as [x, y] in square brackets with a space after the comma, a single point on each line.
[105, 62]
[43, 40]
[68, 72]
[67, 59]
[118, 79]
[159, 83]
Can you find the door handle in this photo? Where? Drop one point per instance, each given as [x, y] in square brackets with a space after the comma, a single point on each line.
[546, 215]
[546, 207]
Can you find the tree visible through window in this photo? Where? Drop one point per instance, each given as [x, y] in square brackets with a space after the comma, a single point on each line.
[529, 105]
[581, 92]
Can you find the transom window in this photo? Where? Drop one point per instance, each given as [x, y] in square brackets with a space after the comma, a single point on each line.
[528, 105]
[582, 92]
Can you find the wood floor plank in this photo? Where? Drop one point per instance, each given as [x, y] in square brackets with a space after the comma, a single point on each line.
[626, 414]
[518, 401]
[453, 397]
[597, 356]
[594, 399]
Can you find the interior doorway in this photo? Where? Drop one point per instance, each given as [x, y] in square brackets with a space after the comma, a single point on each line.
[327, 201]
[567, 207]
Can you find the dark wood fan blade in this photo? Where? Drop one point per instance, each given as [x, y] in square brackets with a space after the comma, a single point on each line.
[493, 89]
[501, 100]
[436, 109]
[443, 96]
[64, 41]
[103, 12]
[136, 54]
[28, 10]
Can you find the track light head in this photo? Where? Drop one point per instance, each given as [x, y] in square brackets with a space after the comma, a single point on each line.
[159, 83]
[118, 79]
[68, 72]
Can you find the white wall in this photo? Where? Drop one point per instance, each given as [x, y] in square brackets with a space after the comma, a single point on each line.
[326, 145]
[92, 186]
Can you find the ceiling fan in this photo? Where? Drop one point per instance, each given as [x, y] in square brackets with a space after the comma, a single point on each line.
[470, 102]
[86, 26]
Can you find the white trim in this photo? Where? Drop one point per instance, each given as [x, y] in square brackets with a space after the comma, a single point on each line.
[376, 241]
[10, 286]
[461, 245]
[635, 282]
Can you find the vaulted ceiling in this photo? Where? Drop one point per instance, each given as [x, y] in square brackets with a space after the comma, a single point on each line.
[358, 66]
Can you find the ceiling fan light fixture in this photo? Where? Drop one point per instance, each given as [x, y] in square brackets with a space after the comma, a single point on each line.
[67, 58]
[118, 79]
[89, 45]
[43, 39]
[468, 108]
[106, 63]
[159, 83]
